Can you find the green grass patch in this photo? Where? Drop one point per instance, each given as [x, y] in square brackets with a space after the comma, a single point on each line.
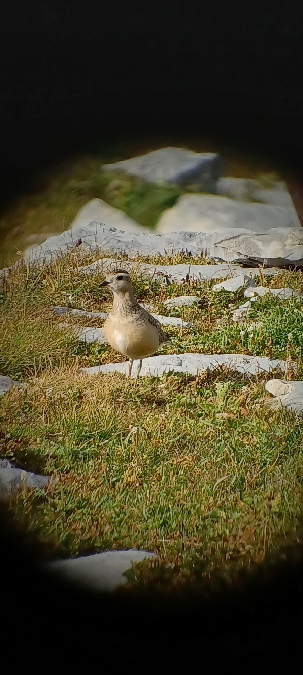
[198, 469]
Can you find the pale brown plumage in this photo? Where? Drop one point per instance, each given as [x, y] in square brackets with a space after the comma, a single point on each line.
[129, 328]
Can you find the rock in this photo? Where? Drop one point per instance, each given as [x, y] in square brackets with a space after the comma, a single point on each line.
[172, 321]
[277, 247]
[78, 312]
[280, 246]
[192, 364]
[100, 572]
[278, 196]
[288, 394]
[34, 239]
[249, 189]
[100, 211]
[6, 383]
[237, 188]
[86, 333]
[148, 306]
[173, 165]
[177, 273]
[113, 241]
[235, 283]
[209, 213]
[239, 315]
[89, 335]
[281, 293]
[12, 479]
[182, 301]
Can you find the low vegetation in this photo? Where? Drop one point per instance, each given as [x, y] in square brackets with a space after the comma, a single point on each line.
[198, 469]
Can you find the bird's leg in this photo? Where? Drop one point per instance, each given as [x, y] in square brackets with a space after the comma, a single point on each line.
[130, 367]
[140, 366]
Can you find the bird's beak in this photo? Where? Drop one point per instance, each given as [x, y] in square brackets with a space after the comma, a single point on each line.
[105, 283]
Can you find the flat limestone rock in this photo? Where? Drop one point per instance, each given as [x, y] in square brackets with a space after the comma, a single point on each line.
[277, 195]
[239, 315]
[12, 480]
[176, 273]
[288, 394]
[78, 312]
[281, 293]
[101, 211]
[250, 189]
[6, 383]
[207, 213]
[191, 363]
[100, 572]
[277, 246]
[90, 334]
[173, 165]
[182, 301]
[235, 283]
[171, 320]
[237, 188]
[86, 334]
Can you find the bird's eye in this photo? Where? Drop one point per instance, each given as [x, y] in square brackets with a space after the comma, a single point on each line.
[120, 277]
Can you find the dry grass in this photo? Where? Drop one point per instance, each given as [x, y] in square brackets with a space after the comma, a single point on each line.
[195, 468]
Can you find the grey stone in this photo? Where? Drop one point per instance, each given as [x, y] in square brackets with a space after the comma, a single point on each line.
[281, 293]
[209, 213]
[248, 188]
[78, 312]
[148, 306]
[173, 165]
[239, 315]
[171, 321]
[89, 335]
[182, 301]
[100, 211]
[287, 394]
[12, 479]
[109, 240]
[176, 273]
[100, 572]
[235, 283]
[277, 246]
[34, 240]
[85, 333]
[237, 188]
[191, 363]
[277, 194]
[6, 383]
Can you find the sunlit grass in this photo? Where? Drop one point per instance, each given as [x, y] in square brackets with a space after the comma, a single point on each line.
[198, 469]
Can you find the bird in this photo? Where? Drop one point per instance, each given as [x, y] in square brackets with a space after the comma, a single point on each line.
[129, 328]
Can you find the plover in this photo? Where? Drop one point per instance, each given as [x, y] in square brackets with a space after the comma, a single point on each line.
[129, 328]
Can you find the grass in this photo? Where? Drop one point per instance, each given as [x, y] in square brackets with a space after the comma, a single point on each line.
[198, 469]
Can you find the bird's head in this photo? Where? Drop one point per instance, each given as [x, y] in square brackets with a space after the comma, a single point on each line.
[118, 282]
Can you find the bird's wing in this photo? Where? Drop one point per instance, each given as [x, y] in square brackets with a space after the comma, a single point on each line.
[163, 337]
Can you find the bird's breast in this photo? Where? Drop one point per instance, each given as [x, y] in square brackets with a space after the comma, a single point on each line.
[133, 339]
